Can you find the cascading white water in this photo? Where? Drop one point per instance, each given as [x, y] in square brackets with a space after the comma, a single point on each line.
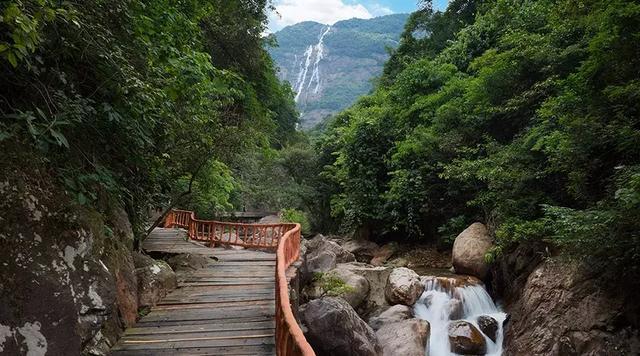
[319, 56]
[302, 75]
[317, 53]
[437, 303]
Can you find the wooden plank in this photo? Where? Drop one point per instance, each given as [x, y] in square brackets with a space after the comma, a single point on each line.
[246, 350]
[202, 335]
[175, 329]
[209, 305]
[244, 340]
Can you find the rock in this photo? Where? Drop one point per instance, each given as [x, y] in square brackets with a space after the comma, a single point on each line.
[335, 329]
[377, 279]
[489, 326]
[456, 309]
[394, 314]
[382, 254]
[363, 250]
[320, 262]
[564, 309]
[466, 339]
[323, 254]
[67, 279]
[469, 249]
[188, 262]
[406, 338]
[359, 285]
[270, 219]
[155, 279]
[403, 287]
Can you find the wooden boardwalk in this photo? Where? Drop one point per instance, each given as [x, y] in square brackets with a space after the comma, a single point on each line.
[225, 308]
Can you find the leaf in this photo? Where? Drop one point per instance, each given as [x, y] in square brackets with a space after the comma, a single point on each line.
[12, 59]
[60, 139]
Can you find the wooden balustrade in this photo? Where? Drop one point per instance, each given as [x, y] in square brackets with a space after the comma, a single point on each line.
[283, 238]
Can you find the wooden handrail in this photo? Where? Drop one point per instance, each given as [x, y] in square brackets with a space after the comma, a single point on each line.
[283, 238]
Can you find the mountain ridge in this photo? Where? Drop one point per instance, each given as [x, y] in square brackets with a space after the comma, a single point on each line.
[330, 66]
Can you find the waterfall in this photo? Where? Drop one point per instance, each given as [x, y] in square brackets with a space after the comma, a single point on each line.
[317, 53]
[319, 56]
[302, 75]
[437, 305]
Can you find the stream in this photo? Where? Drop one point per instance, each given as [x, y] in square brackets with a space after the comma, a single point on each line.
[446, 299]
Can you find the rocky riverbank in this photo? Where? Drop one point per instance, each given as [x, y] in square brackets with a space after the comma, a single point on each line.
[360, 298]
[360, 302]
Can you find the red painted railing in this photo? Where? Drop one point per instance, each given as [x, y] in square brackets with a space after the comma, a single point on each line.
[284, 238]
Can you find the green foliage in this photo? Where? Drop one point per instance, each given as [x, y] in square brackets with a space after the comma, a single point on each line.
[331, 285]
[521, 115]
[296, 216]
[146, 102]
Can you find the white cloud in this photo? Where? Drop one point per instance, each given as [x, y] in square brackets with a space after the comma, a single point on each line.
[380, 10]
[289, 12]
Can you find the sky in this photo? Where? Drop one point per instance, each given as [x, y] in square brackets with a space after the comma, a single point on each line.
[289, 12]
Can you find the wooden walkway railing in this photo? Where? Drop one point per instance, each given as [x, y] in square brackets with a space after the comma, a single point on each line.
[283, 238]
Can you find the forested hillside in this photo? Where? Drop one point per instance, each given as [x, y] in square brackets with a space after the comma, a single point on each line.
[524, 115]
[150, 103]
[329, 67]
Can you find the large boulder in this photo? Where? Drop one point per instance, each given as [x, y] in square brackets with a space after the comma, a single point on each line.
[67, 280]
[466, 339]
[358, 286]
[406, 338]
[323, 254]
[320, 262]
[155, 279]
[469, 250]
[377, 280]
[565, 309]
[335, 329]
[392, 315]
[403, 287]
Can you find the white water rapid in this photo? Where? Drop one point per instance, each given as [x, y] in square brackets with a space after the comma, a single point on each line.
[316, 53]
[438, 306]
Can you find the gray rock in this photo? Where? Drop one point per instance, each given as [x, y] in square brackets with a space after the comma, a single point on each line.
[335, 329]
[155, 279]
[322, 261]
[377, 279]
[403, 287]
[359, 285]
[406, 338]
[392, 315]
[322, 255]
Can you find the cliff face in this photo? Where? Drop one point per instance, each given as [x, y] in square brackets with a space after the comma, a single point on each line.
[67, 280]
[329, 67]
[558, 307]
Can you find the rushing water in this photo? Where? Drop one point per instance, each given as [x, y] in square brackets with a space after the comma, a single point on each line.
[437, 305]
[312, 51]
